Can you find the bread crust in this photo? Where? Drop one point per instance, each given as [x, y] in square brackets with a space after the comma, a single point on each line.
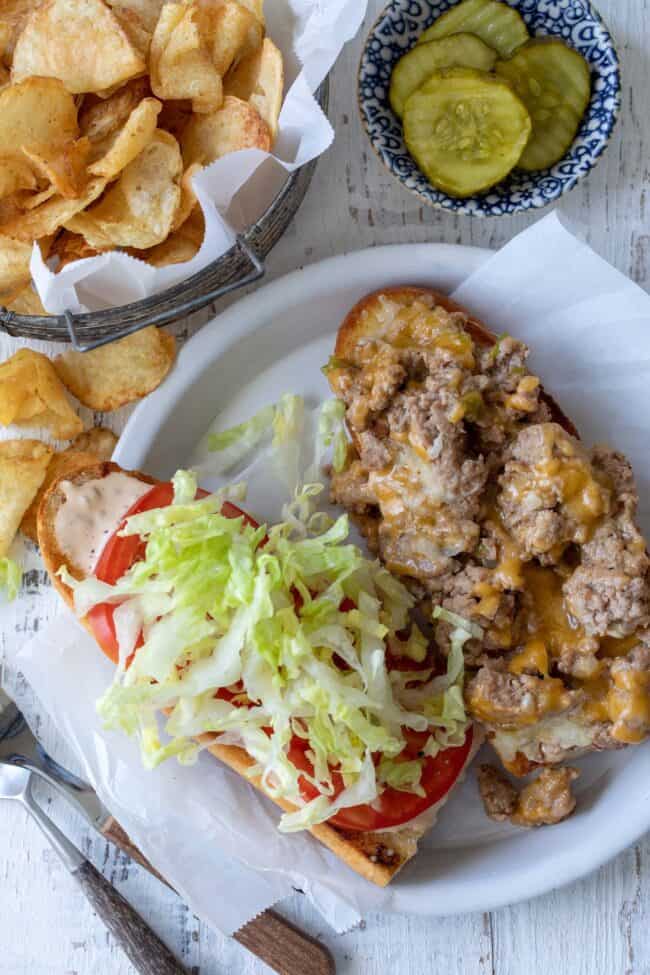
[375, 856]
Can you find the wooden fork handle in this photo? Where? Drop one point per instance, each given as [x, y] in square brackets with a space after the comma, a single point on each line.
[274, 940]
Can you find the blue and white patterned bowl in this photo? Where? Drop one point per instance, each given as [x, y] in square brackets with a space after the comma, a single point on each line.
[575, 21]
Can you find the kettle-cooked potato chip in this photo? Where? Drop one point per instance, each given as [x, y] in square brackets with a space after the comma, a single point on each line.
[180, 63]
[98, 441]
[232, 29]
[138, 131]
[13, 15]
[259, 79]
[147, 10]
[31, 394]
[63, 165]
[70, 247]
[36, 111]
[49, 216]
[138, 210]
[14, 265]
[24, 302]
[23, 464]
[187, 201]
[100, 118]
[181, 245]
[237, 125]
[100, 56]
[134, 28]
[119, 373]
[15, 174]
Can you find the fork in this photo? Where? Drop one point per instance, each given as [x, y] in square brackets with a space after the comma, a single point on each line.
[145, 950]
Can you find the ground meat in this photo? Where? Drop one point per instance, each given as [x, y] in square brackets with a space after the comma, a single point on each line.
[506, 700]
[472, 594]
[370, 389]
[629, 697]
[609, 592]
[547, 799]
[408, 552]
[581, 662]
[497, 792]
[536, 499]
[374, 452]
[350, 488]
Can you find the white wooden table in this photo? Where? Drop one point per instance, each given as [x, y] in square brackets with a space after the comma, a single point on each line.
[595, 927]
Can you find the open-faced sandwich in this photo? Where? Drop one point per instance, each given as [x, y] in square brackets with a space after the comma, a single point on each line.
[472, 487]
[282, 649]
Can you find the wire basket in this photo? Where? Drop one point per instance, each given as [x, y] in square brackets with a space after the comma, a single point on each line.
[241, 265]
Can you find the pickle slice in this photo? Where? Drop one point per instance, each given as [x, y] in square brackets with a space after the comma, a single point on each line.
[497, 24]
[412, 70]
[554, 84]
[465, 129]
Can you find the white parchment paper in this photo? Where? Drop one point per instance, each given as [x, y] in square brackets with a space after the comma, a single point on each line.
[310, 34]
[204, 828]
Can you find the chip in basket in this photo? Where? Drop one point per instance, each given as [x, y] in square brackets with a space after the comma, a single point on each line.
[110, 109]
[138, 210]
[119, 373]
[79, 41]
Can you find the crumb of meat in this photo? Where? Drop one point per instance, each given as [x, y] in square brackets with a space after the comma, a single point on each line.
[542, 508]
[609, 592]
[370, 388]
[373, 451]
[497, 792]
[473, 594]
[506, 700]
[547, 799]
[350, 488]
[580, 661]
[629, 696]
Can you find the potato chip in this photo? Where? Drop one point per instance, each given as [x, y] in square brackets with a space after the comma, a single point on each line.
[231, 29]
[188, 197]
[71, 247]
[259, 79]
[129, 141]
[13, 15]
[24, 302]
[64, 463]
[15, 174]
[174, 116]
[28, 201]
[120, 373]
[237, 125]
[98, 441]
[181, 245]
[14, 265]
[31, 394]
[147, 10]
[100, 119]
[49, 216]
[180, 64]
[64, 166]
[23, 464]
[134, 28]
[138, 210]
[36, 111]
[100, 56]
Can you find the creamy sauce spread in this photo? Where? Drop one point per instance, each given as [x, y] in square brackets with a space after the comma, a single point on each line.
[91, 513]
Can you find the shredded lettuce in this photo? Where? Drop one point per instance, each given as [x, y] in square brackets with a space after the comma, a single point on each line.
[10, 577]
[265, 635]
[331, 432]
[236, 442]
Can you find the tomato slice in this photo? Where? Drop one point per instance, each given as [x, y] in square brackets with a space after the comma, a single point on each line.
[392, 807]
[119, 554]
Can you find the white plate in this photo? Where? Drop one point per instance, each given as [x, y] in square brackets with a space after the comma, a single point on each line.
[275, 341]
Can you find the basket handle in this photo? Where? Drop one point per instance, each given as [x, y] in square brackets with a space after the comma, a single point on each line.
[253, 270]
